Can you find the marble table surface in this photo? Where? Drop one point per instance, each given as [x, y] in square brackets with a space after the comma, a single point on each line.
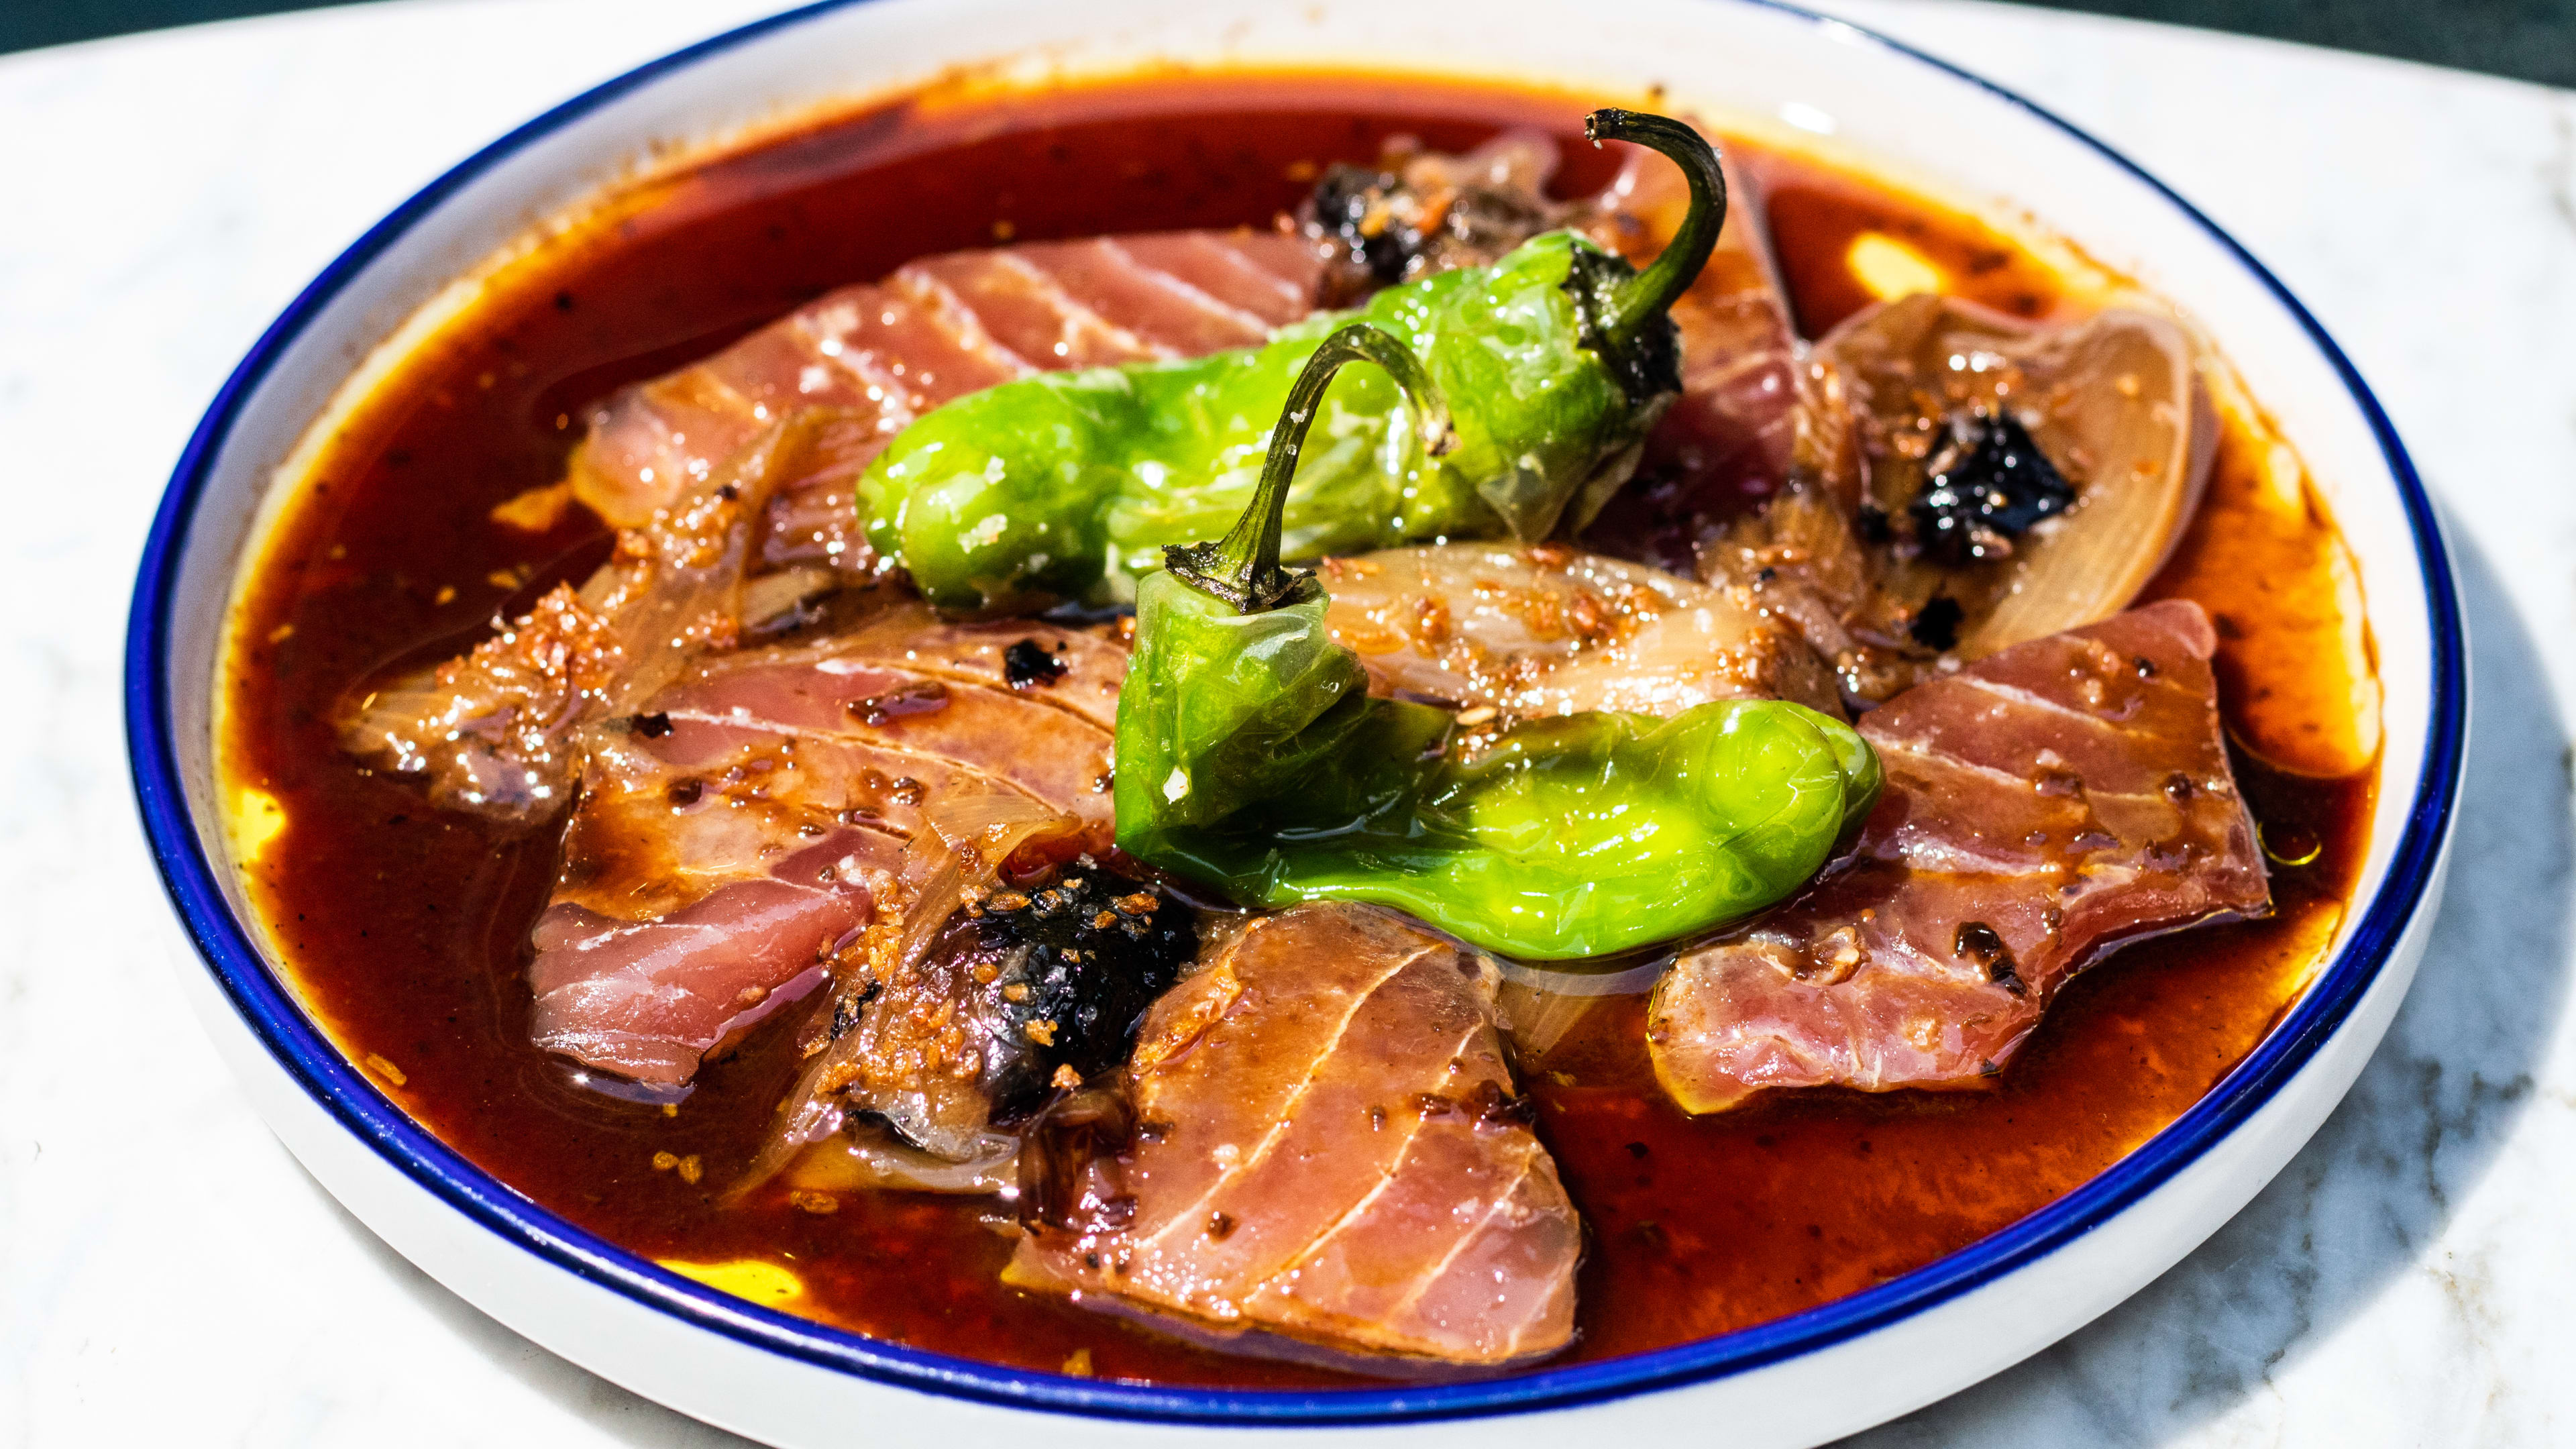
[169, 1275]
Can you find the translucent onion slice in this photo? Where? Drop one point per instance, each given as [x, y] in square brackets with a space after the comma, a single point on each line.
[1540, 1006]
[969, 844]
[2115, 403]
[869, 1157]
[970, 838]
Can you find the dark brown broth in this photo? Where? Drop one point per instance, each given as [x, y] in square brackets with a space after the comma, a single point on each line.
[407, 929]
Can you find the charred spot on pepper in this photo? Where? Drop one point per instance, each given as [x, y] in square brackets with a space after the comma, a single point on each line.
[1027, 664]
[1989, 485]
[652, 726]
[1646, 362]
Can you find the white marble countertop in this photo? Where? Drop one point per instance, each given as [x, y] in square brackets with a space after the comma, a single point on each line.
[169, 1275]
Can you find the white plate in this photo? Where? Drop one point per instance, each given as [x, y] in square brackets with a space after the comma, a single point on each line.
[1797, 1380]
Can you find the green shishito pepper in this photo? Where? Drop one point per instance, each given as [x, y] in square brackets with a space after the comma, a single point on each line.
[1251, 757]
[1067, 486]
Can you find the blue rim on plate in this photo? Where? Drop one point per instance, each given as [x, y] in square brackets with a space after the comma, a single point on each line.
[320, 1070]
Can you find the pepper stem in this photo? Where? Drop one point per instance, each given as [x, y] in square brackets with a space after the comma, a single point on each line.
[1243, 567]
[1652, 292]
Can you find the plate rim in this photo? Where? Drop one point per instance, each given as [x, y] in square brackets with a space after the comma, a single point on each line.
[262, 1001]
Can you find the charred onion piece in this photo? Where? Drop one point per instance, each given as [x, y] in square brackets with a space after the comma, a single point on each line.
[1006, 960]
[1990, 486]
[1423, 213]
[2027, 545]
[1079, 960]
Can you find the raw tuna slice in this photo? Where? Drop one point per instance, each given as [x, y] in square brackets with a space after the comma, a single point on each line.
[2043, 807]
[881, 354]
[738, 831]
[1325, 1149]
[503, 730]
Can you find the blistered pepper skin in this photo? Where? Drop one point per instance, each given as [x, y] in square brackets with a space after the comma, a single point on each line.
[1068, 486]
[1250, 758]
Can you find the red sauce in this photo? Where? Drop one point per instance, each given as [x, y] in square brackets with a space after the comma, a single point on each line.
[407, 928]
[1824, 209]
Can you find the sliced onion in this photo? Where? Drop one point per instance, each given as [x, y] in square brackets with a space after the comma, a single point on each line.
[771, 601]
[970, 839]
[2114, 401]
[1540, 1006]
[869, 1156]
